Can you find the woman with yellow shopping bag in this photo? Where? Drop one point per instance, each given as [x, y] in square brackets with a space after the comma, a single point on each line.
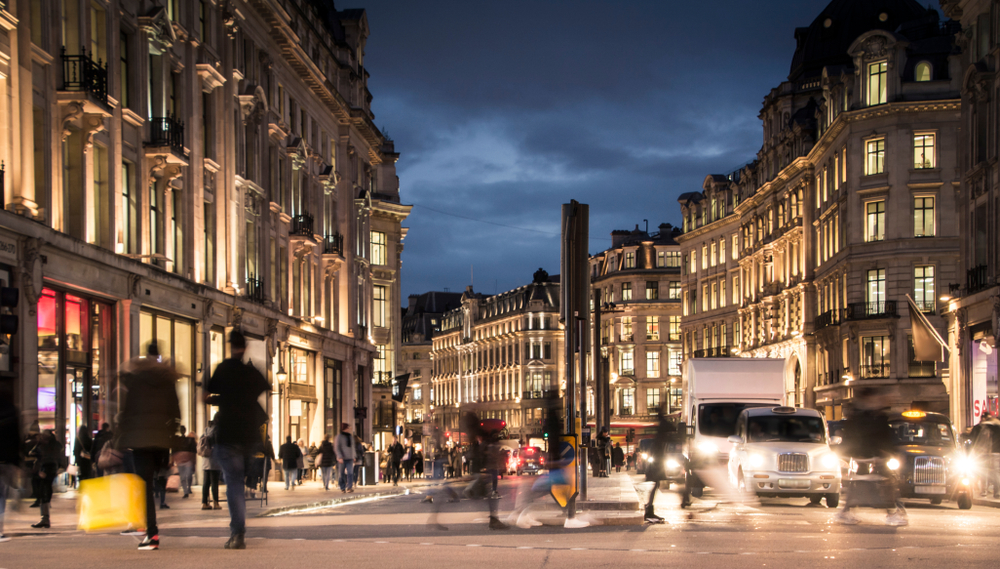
[148, 420]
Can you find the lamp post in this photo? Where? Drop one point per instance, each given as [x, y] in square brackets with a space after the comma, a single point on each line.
[282, 377]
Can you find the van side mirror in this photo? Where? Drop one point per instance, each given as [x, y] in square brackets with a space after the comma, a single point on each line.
[689, 429]
[735, 439]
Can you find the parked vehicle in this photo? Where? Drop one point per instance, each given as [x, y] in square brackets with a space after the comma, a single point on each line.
[784, 452]
[718, 390]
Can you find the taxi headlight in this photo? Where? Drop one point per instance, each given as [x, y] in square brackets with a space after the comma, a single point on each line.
[672, 464]
[649, 459]
[707, 447]
[893, 464]
[756, 460]
[831, 461]
[965, 465]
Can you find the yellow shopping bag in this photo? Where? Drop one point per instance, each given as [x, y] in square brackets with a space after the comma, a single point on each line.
[112, 503]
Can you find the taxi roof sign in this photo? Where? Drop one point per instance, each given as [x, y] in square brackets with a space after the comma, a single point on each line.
[914, 414]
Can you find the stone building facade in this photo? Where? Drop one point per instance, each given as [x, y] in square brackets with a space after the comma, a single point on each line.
[848, 207]
[500, 356]
[638, 284]
[176, 170]
[972, 303]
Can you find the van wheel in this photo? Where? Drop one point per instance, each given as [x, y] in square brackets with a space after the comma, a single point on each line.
[964, 502]
[832, 500]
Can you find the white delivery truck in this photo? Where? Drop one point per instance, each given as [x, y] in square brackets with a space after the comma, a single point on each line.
[717, 391]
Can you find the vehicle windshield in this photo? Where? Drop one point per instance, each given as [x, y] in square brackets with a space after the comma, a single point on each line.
[645, 445]
[789, 429]
[922, 433]
[719, 419]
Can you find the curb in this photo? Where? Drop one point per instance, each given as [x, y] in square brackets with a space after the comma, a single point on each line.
[332, 502]
[986, 503]
[608, 506]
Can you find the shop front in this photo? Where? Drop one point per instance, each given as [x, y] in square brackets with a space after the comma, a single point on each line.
[76, 369]
[175, 339]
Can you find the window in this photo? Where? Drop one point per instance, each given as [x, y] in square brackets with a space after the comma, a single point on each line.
[923, 217]
[626, 401]
[130, 208]
[626, 291]
[177, 230]
[875, 157]
[704, 256]
[378, 306]
[715, 295]
[300, 365]
[547, 351]
[736, 289]
[923, 151]
[378, 248]
[875, 291]
[627, 366]
[722, 292]
[123, 45]
[875, 357]
[877, 76]
[923, 287]
[652, 290]
[675, 328]
[155, 220]
[208, 242]
[875, 222]
[652, 399]
[653, 364]
[674, 290]
[923, 71]
[630, 260]
[722, 251]
[674, 363]
[736, 240]
[669, 259]
[652, 327]
[626, 328]
[715, 254]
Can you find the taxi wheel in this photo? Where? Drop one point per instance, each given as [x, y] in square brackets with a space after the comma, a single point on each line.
[832, 500]
[964, 502]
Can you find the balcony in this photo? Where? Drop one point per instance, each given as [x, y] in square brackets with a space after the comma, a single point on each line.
[828, 318]
[868, 310]
[719, 352]
[627, 371]
[875, 371]
[167, 133]
[333, 245]
[302, 225]
[382, 379]
[976, 279]
[626, 338]
[255, 289]
[546, 394]
[81, 74]
[925, 306]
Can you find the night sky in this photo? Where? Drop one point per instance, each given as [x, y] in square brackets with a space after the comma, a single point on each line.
[503, 111]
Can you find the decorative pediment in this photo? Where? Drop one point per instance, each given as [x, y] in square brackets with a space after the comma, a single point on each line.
[159, 30]
[253, 105]
[210, 77]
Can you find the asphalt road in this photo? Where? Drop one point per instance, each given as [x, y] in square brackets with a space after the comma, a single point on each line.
[393, 533]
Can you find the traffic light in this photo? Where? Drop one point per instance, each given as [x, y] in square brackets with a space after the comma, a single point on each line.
[630, 436]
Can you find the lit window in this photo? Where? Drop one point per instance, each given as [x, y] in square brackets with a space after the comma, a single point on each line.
[875, 157]
[875, 221]
[674, 290]
[626, 291]
[923, 287]
[923, 151]
[875, 290]
[652, 364]
[704, 256]
[923, 217]
[878, 73]
[378, 306]
[675, 328]
[652, 327]
[922, 71]
[652, 290]
[652, 398]
[378, 248]
[630, 260]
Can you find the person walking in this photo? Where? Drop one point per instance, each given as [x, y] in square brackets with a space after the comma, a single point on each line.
[102, 438]
[234, 388]
[604, 450]
[327, 460]
[82, 455]
[418, 463]
[147, 422]
[46, 465]
[304, 452]
[986, 442]
[345, 451]
[408, 461]
[290, 456]
[618, 457]
[30, 461]
[210, 474]
[396, 453]
[360, 448]
[184, 451]
[10, 451]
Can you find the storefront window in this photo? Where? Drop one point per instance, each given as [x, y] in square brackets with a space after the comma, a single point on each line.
[175, 341]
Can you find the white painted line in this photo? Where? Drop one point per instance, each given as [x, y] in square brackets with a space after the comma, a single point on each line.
[426, 543]
[381, 542]
[578, 549]
[637, 550]
[525, 547]
[472, 545]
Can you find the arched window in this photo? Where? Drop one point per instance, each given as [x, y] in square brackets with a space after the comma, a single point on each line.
[923, 71]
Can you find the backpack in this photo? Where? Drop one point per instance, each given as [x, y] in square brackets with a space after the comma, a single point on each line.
[204, 447]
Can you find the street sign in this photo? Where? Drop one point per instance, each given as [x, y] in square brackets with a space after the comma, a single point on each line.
[563, 493]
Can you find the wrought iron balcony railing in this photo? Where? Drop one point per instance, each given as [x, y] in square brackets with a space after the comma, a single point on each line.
[333, 244]
[828, 318]
[302, 225]
[719, 352]
[80, 73]
[539, 394]
[976, 279]
[875, 371]
[167, 131]
[863, 310]
[382, 379]
[255, 289]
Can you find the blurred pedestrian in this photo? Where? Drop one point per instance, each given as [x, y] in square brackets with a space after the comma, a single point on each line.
[234, 388]
[345, 451]
[211, 472]
[184, 452]
[604, 452]
[30, 461]
[408, 460]
[147, 422]
[290, 455]
[102, 438]
[360, 448]
[395, 460]
[418, 464]
[311, 465]
[10, 451]
[327, 460]
[617, 457]
[668, 437]
[304, 452]
[81, 453]
[46, 464]
[986, 443]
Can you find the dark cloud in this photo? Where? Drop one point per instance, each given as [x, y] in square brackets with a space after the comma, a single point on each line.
[503, 111]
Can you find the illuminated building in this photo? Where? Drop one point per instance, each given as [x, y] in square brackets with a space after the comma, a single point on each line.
[176, 170]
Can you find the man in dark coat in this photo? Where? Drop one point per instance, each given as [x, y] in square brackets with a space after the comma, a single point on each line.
[147, 423]
[396, 452]
[986, 443]
[667, 434]
[10, 451]
[290, 454]
[102, 438]
[234, 388]
[618, 457]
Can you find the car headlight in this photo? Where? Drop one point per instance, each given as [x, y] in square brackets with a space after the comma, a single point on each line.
[756, 460]
[649, 459]
[831, 461]
[707, 447]
[672, 464]
[893, 464]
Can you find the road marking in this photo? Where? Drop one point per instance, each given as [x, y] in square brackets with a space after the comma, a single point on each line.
[426, 543]
[578, 549]
[381, 542]
[525, 547]
[472, 545]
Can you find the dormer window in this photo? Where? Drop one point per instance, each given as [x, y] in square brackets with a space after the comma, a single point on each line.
[878, 74]
[923, 71]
